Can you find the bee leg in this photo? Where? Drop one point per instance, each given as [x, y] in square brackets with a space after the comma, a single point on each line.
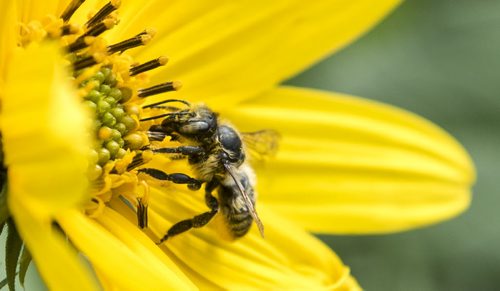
[177, 157]
[193, 152]
[199, 220]
[183, 150]
[195, 222]
[177, 178]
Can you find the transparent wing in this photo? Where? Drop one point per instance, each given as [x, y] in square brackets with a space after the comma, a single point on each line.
[232, 172]
[261, 144]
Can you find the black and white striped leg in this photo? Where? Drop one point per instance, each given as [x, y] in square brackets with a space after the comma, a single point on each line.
[183, 150]
[194, 153]
[177, 178]
[198, 220]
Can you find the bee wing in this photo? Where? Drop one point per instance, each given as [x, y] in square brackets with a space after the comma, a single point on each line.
[231, 170]
[261, 144]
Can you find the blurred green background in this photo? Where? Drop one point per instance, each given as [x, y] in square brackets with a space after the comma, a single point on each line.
[441, 60]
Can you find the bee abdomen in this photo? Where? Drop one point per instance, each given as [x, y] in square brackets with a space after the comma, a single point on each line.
[239, 223]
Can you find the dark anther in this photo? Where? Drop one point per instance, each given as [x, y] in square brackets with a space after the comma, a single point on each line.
[99, 28]
[148, 31]
[84, 63]
[161, 88]
[80, 43]
[153, 64]
[69, 29]
[142, 213]
[70, 10]
[136, 161]
[128, 44]
[105, 11]
[66, 29]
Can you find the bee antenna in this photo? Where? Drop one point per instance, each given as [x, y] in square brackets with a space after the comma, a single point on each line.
[167, 101]
[164, 115]
[248, 202]
[171, 108]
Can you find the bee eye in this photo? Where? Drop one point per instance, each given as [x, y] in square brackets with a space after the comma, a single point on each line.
[224, 157]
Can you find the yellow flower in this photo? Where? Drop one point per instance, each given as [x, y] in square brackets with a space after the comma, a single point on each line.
[345, 165]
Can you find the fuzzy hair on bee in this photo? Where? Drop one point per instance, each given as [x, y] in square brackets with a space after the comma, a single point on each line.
[217, 154]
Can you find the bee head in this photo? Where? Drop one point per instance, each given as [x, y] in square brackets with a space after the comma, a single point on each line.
[200, 123]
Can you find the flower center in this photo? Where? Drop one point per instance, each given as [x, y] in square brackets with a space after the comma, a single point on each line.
[112, 87]
[114, 125]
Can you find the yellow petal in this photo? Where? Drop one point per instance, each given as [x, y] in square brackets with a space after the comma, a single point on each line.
[30, 10]
[82, 14]
[348, 165]
[127, 266]
[287, 258]
[45, 143]
[8, 40]
[226, 51]
[58, 263]
[45, 134]
[142, 245]
[34, 10]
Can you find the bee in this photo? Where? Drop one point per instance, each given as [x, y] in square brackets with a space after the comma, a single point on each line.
[217, 154]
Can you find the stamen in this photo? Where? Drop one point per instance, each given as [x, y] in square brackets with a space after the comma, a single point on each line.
[96, 30]
[165, 87]
[80, 43]
[70, 10]
[153, 64]
[105, 11]
[69, 29]
[135, 41]
[88, 61]
[148, 31]
[167, 101]
[136, 161]
[142, 210]
[142, 206]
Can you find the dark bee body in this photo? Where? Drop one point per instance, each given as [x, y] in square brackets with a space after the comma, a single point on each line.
[233, 207]
[217, 156]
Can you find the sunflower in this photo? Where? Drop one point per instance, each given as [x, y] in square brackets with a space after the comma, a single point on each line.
[75, 79]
